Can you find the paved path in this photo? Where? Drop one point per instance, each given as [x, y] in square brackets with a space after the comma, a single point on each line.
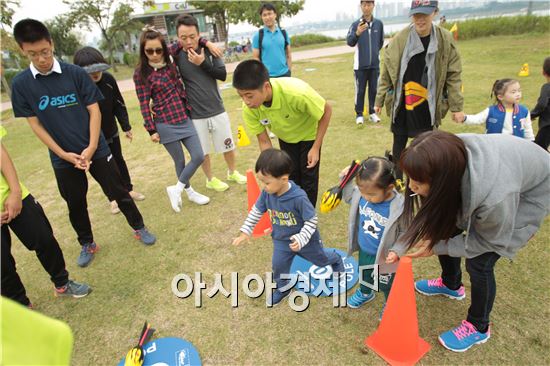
[128, 84]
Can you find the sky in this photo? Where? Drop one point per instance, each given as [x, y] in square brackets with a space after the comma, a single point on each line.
[314, 10]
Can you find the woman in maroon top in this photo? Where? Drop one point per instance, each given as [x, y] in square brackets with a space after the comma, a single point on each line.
[164, 109]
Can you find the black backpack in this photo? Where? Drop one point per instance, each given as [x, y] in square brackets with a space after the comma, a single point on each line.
[262, 38]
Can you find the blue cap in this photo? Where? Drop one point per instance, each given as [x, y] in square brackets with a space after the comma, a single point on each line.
[423, 7]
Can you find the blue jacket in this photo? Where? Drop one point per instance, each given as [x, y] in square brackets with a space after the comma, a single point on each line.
[495, 120]
[368, 44]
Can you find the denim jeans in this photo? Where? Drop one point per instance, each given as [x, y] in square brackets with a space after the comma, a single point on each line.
[482, 280]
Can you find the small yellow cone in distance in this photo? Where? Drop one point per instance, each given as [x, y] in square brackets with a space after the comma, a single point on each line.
[242, 137]
[524, 70]
[454, 28]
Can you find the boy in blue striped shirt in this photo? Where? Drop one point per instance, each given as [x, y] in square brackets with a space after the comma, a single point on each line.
[293, 218]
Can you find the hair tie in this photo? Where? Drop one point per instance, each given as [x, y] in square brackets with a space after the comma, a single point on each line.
[150, 28]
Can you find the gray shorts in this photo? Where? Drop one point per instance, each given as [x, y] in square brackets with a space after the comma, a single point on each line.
[215, 130]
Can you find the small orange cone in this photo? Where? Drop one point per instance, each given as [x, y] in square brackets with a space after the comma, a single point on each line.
[396, 340]
[253, 190]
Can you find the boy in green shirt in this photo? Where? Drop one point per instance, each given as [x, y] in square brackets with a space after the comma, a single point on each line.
[20, 211]
[293, 110]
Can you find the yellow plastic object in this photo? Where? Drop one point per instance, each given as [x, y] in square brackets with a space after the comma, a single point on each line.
[242, 137]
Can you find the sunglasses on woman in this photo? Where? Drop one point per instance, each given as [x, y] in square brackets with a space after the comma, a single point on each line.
[153, 51]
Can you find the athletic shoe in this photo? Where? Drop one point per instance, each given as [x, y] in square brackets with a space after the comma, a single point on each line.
[73, 289]
[87, 254]
[174, 195]
[145, 236]
[374, 118]
[463, 337]
[236, 177]
[436, 287]
[114, 208]
[359, 299]
[196, 197]
[136, 196]
[277, 297]
[216, 185]
[359, 120]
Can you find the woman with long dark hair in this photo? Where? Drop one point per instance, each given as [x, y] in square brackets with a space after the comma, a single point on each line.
[167, 120]
[481, 197]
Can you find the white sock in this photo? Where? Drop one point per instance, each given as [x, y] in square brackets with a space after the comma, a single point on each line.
[180, 186]
[189, 190]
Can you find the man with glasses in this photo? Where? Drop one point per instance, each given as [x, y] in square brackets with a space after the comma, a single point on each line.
[59, 101]
[367, 33]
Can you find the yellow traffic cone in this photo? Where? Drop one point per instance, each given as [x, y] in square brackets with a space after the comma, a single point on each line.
[242, 137]
[524, 70]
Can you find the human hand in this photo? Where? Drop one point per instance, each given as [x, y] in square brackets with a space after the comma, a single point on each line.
[241, 239]
[155, 137]
[214, 50]
[129, 135]
[422, 250]
[194, 57]
[392, 257]
[294, 246]
[377, 109]
[86, 157]
[312, 157]
[458, 117]
[12, 207]
[363, 26]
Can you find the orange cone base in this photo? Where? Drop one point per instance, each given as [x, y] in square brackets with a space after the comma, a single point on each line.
[389, 355]
[263, 227]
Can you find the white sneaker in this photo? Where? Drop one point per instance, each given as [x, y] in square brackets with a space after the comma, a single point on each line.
[359, 120]
[199, 199]
[174, 195]
[374, 118]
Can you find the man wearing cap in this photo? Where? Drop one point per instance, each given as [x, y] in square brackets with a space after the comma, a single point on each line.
[367, 34]
[421, 77]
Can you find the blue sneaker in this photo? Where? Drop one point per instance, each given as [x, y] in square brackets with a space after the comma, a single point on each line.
[277, 297]
[463, 337]
[73, 289]
[436, 287]
[145, 236]
[87, 254]
[358, 299]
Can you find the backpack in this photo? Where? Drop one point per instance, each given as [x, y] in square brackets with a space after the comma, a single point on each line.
[285, 36]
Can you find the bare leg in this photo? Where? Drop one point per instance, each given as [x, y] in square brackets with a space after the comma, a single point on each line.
[230, 160]
[207, 167]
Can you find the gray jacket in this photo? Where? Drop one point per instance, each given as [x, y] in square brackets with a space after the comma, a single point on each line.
[351, 195]
[505, 196]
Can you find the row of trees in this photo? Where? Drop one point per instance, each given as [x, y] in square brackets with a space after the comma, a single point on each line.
[113, 18]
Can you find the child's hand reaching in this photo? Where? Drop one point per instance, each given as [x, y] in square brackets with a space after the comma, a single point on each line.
[240, 239]
[294, 246]
[392, 258]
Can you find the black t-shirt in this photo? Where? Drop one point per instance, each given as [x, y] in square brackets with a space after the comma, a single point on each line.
[413, 115]
[112, 106]
[59, 102]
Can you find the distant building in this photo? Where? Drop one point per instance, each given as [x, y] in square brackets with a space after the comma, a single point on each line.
[163, 17]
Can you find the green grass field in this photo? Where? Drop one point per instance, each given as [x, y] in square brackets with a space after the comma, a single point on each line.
[131, 282]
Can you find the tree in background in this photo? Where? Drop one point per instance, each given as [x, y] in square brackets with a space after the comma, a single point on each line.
[233, 12]
[65, 41]
[101, 13]
[7, 9]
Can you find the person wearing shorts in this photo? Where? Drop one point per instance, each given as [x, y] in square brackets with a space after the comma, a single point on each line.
[200, 70]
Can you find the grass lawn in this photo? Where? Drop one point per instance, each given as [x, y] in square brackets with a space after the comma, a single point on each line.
[132, 283]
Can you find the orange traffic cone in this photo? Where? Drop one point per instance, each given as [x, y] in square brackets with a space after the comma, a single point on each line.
[264, 225]
[396, 340]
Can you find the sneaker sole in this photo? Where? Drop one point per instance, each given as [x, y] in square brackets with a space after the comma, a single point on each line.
[218, 189]
[465, 349]
[440, 294]
[236, 181]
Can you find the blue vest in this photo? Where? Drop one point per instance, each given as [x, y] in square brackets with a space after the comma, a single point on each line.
[495, 120]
